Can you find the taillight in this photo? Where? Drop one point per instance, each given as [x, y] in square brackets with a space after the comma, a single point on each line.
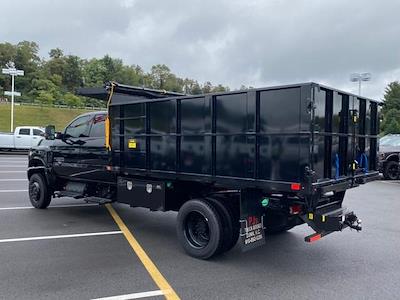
[295, 209]
[295, 186]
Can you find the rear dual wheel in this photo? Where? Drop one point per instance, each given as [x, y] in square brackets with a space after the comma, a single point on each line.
[206, 227]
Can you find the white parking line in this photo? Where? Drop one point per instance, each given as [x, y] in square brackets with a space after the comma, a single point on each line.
[391, 182]
[64, 236]
[13, 159]
[134, 296]
[54, 206]
[17, 179]
[12, 166]
[12, 191]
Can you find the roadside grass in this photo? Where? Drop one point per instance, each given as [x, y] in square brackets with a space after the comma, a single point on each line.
[37, 116]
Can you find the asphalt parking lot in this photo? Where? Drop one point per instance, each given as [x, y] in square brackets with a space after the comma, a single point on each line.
[75, 250]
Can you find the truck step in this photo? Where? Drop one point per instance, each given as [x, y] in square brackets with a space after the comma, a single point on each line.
[68, 194]
[98, 200]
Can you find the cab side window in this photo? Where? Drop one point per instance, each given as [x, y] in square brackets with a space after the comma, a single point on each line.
[97, 129]
[38, 132]
[24, 131]
[80, 127]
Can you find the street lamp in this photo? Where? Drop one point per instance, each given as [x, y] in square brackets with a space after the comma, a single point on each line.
[358, 77]
[11, 70]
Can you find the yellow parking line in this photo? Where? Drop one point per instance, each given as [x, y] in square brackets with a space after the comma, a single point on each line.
[158, 278]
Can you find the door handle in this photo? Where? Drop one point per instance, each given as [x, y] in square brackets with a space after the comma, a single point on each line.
[34, 138]
[18, 137]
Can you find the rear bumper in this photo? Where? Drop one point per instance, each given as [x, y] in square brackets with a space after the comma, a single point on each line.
[327, 221]
[342, 184]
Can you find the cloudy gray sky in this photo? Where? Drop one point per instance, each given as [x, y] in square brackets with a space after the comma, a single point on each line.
[250, 42]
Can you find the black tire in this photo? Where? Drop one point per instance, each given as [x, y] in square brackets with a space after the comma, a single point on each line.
[199, 228]
[391, 171]
[39, 193]
[230, 225]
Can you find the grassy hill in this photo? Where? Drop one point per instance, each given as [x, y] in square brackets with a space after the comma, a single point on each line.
[36, 116]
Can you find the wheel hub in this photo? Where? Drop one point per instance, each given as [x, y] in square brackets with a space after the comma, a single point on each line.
[197, 230]
[393, 171]
[34, 191]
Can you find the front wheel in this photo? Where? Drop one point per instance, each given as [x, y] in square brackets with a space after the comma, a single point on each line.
[199, 229]
[39, 194]
[391, 171]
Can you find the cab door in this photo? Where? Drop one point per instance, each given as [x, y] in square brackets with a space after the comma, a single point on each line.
[23, 138]
[66, 151]
[37, 136]
[94, 154]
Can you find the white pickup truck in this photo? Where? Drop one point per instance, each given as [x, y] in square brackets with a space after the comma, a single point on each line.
[24, 137]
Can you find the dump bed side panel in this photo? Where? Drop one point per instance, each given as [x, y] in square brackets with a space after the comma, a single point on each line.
[259, 135]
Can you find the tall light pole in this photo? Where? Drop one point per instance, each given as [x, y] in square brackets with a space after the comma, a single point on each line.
[11, 70]
[359, 77]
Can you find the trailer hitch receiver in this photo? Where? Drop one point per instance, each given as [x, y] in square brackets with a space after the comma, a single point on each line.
[353, 222]
[327, 222]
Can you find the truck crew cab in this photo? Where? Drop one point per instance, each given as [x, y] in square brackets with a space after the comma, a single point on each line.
[235, 165]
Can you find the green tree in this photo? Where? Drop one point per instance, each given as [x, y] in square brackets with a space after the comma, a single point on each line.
[53, 80]
[45, 98]
[7, 53]
[73, 74]
[207, 87]
[56, 53]
[159, 75]
[191, 87]
[72, 100]
[391, 121]
[391, 98]
[391, 109]
[94, 72]
[27, 59]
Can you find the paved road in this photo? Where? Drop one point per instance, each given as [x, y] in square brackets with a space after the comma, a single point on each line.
[345, 265]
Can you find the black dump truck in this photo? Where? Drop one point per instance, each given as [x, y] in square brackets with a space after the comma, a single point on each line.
[235, 165]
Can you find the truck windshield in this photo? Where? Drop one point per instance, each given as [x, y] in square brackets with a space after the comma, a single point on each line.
[392, 141]
[80, 127]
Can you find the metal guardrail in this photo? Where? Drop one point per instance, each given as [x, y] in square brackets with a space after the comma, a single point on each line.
[55, 106]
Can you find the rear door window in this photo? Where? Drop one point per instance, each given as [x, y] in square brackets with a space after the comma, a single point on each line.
[37, 132]
[98, 126]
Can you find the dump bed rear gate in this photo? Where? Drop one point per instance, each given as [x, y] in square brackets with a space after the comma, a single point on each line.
[344, 135]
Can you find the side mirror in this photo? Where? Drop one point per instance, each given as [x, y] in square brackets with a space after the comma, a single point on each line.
[50, 132]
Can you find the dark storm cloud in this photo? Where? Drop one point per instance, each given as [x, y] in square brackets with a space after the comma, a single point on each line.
[231, 42]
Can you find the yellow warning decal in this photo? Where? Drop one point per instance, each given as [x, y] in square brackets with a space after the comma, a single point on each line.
[311, 216]
[132, 144]
[355, 119]
[323, 219]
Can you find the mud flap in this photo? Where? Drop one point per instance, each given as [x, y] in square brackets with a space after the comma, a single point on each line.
[251, 219]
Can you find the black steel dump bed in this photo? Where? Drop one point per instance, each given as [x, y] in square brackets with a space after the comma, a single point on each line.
[265, 159]
[283, 138]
